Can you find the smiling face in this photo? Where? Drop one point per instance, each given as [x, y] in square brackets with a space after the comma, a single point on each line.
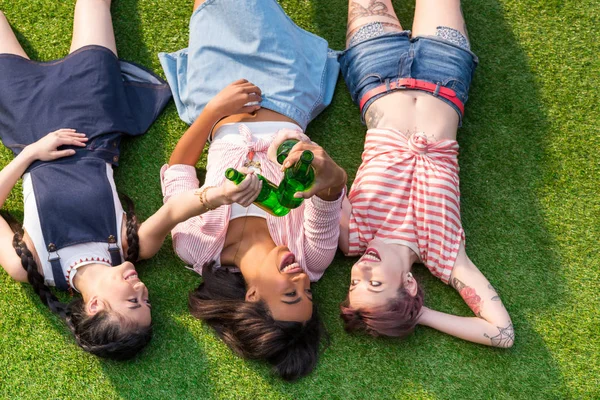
[120, 290]
[377, 276]
[283, 285]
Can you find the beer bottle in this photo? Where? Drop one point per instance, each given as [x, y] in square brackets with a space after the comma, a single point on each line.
[267, 198]
[298, 178]
[284, 150]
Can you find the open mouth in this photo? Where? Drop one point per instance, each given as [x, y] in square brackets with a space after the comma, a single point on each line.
[131, 275]
[371, 255]
[289, 265]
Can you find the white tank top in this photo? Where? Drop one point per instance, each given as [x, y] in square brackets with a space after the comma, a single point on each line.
[71, 256]
[230, 133]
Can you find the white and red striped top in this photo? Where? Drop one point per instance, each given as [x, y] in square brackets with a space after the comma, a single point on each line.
[310, 231]
[406, 192]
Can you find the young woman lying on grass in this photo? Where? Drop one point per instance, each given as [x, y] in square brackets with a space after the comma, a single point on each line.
[404, 205]
[75, 228]
[264, 309]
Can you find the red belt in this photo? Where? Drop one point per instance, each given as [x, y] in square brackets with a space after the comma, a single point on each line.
[410, 83]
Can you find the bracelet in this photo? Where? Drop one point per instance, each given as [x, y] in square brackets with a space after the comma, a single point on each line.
[203, 200]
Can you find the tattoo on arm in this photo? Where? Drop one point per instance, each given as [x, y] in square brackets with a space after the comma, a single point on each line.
[504, 338]
[373, 116]
[375, 8]
[496, 297]
[469, 296]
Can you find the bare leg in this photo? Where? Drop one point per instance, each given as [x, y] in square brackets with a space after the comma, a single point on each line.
[92, 24]
[429, 14]
[362, 12]
[8, 41]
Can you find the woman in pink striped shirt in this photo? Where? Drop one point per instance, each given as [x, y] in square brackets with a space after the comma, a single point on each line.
[404, 205]
[256, 267]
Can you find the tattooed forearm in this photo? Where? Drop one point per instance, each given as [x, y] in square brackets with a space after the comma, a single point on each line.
[469, 296]
[505, 337]
[496, 297]
[373, 116]
[375, 8]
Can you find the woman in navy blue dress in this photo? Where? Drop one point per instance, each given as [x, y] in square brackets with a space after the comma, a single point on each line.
[64, 120]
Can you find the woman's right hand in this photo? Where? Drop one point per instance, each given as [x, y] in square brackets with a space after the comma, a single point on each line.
[243, 194]
[234, 99]
[46, 149]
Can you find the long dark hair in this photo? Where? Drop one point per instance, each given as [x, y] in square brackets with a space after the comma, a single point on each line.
[398, 318]
[104, 334]
[248, 327]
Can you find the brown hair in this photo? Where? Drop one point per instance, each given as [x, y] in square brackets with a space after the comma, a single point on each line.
[248, 327]
[103, 334]
[397, 318]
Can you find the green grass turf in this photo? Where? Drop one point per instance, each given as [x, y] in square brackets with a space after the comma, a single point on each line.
[529, 177]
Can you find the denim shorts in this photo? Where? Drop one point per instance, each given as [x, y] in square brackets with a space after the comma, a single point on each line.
[392, 56]
[255, 40]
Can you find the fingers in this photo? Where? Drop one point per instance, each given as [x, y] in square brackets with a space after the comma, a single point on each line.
[251, 194]
[61, 153]
[246, 182]
[252, 97]
[71, 139]
[250, 88]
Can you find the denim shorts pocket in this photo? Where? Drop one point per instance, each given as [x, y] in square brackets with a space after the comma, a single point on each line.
[365, 84]
[461, 90]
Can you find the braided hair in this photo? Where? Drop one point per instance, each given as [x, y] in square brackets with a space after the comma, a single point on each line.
[105, 334]
[133, 240]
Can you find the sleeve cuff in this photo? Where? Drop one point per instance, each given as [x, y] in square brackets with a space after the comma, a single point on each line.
[177, 178]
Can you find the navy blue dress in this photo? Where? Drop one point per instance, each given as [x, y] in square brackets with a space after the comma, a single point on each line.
[91, 91]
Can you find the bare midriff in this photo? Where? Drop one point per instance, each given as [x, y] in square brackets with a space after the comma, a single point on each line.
[262, 115]
[411, 111]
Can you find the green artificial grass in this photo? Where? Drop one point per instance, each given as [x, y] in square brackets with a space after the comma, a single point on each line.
[529, 181]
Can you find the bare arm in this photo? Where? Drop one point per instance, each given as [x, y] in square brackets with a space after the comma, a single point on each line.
[229, 101]
[182, 206]
[492, 326]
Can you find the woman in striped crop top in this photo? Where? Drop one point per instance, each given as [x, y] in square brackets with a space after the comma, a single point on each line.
[404, 205]
[262, 307]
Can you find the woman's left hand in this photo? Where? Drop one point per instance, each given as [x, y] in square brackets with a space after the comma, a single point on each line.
[330, 178]
[46, 149]
[282, 136]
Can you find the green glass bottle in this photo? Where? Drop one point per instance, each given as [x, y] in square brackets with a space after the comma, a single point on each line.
[267, 198]
[284, 150]
[298, 178]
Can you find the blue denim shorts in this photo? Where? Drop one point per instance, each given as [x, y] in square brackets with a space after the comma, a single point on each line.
[255, 40]
[392, 56]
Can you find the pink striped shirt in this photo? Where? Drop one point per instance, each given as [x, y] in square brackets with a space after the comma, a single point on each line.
[406, 192]
[310, 231]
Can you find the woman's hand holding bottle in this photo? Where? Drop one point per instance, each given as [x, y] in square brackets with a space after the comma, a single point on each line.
[330, 178]
[243, 194]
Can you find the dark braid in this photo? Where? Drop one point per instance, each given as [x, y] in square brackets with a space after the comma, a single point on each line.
[103, 334]
[35, 278]
[133, 240]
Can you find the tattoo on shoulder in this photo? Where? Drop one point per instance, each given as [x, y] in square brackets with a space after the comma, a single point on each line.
[469, 295]
[496, 297]
[504, 338]
[375, 8]
[373, 116]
